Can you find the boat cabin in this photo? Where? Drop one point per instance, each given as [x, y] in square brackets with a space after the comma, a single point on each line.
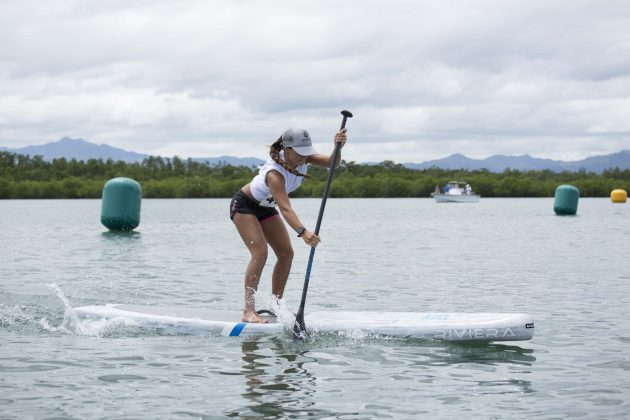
[457, 188]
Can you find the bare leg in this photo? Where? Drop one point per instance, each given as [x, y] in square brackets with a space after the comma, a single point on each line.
[252, 234]
[278, 237]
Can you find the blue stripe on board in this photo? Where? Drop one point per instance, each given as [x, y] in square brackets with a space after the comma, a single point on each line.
[237, 329]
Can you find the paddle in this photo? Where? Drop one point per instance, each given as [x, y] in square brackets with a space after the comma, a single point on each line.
[299, 329]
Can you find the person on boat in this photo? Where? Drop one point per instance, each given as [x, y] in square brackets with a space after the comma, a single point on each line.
[437, 190]
[253, 211]
[468, 189]
[446, 189]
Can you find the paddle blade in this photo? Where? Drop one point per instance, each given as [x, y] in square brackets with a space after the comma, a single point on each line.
[299, 328]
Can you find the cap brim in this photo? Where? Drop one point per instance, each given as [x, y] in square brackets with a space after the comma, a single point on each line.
[304, 150]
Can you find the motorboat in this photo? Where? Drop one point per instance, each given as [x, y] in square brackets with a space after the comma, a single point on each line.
[455, 192]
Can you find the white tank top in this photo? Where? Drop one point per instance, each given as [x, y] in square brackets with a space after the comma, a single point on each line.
[260, 189]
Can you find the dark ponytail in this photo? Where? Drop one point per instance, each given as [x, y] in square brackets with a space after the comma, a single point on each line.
[274, 152]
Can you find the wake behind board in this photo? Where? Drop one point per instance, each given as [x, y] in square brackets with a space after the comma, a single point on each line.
[428, 325]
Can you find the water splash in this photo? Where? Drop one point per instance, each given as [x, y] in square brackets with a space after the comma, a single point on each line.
[72, 324]
[283, 313]
[17, 317]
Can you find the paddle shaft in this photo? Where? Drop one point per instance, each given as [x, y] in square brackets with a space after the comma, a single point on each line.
[300, 327]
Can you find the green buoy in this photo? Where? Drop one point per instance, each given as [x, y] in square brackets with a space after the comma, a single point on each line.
[120, 207]
[566, 200]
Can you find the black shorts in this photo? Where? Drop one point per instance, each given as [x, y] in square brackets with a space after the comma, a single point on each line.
[241, 203]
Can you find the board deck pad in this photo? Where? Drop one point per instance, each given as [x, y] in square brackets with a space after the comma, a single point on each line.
[429, 325]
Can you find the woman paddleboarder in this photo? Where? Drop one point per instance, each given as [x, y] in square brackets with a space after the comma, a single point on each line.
[253, 211]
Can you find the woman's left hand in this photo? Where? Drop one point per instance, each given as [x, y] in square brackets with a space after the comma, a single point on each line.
[341, 137]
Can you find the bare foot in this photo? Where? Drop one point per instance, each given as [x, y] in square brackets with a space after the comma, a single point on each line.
[253, 317]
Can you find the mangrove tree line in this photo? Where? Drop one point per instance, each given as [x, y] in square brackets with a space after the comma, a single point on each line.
[23, 176]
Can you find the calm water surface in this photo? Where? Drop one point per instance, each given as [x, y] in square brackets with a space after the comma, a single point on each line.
[512, 255]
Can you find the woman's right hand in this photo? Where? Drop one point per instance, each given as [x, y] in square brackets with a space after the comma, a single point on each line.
[310, 238]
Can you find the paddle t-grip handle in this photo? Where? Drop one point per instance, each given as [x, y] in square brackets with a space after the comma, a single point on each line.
[346, 114]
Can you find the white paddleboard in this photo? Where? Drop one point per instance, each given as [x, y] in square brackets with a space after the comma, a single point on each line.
[439, 326]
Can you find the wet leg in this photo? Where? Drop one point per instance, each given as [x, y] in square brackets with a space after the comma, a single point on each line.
[278, 237]
[252, 234]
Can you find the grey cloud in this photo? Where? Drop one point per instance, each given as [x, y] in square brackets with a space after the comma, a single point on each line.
[458, 74]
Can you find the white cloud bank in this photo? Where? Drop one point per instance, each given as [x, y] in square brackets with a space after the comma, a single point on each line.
[424, 79]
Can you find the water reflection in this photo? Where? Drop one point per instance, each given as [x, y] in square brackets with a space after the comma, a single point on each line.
[489, 354]
[120, 245]
[120, 234]
[277, 382]
[457, 361]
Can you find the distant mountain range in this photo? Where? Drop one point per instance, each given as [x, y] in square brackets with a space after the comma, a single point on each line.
[499, 163]
[82, 150]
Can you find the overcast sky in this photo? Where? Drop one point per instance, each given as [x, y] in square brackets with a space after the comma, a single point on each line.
[424, 79]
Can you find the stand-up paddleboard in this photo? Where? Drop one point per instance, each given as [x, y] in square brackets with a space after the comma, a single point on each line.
[440, 326]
